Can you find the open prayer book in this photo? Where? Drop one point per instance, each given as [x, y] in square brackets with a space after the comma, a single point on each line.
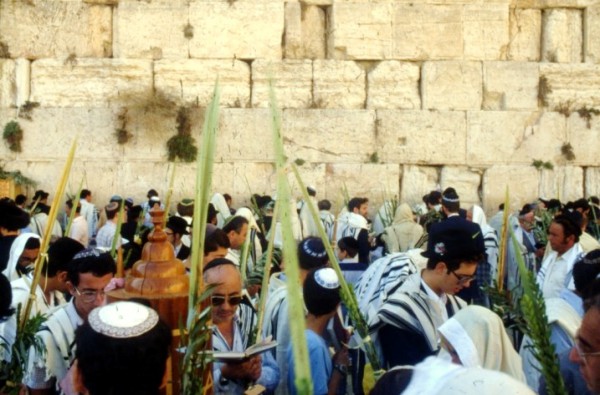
[233, 356]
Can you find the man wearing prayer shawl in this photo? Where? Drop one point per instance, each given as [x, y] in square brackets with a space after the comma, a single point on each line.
[354, 223]
[407, 321]
[404, 233]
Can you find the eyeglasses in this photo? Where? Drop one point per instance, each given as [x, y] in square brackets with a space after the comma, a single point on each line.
[89, 295]
[218, 300]
[583, 355]
[462, 278]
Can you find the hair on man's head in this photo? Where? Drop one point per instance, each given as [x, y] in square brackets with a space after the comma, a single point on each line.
[324, 204]
[356, 202]
[92, 261]
[235, 224]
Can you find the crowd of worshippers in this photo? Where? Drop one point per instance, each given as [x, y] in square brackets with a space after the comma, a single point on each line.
[426, 279]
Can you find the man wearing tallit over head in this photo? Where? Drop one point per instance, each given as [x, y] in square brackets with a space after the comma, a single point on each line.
[404, 232]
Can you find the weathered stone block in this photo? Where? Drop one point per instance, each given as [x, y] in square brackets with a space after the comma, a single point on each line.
[193, 80]
[329, 135]
[485, 31]
[22, 80]
[510, 86]
[451, 85]
[150, 130]
[522, 183]
[245, 136]
[338, 84]
[58, 29]
[393, 84]
[416, 182]
[525, 35]
[360, 31]
[421, 137]
[466, 181]
[253, 177]
[583, 137]
[241, 30]
[427, 32]
[552, 3]
[574, 86]
[89, 82]
[153, 30]
[7, 115]
[313, 174]
[50, 132]
[591, 32]
[292, 80]
[564, 182]
[513, 137]
[304, 31]
[592, 181]
[562, 35]
[185, 181]
[374, 181]
[8, 88]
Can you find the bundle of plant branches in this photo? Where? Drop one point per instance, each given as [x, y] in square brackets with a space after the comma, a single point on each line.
[13, 371]
[17, 177]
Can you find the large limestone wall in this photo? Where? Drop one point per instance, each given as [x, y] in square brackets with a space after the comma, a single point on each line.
[386, 97]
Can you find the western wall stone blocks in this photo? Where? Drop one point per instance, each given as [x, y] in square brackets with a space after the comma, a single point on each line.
[88, 82]
[292, 80]
[591, 44]
[565, 182]
[421, 137]
[451, 85]
[8, 88]
[244, 135]
[394, 85]
[338, 84]
[574, 85]
[522, 183]
[427, 31]
[153, 30]
[465, 180]
[193, 80]
[304, 31]
[416, 182]
[525, 35]
[330, 136]
[150, 129]
[592, 181]
[56, 29]
[513, 137]
[22, 80]
[252, 177]
[485, 31]
[372, 180]
[552, 3]
[583, 137]
[240, 29]
[510, 85]
[223, 180]
[50, 132]
[562, 35]
[360, 30]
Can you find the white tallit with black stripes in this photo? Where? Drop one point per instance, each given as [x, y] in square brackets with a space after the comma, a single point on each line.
[410, 308]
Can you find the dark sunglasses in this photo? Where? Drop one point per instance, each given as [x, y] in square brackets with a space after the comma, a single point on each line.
[218, 300]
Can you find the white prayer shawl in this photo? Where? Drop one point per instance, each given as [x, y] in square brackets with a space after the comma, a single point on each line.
[404, 233]
[90, 213]
[559, 312]
[16, 249]
[296, 227]
[309, 226]
[383, 218]
[490, 239]
[411, 308]
[38, 225]
[435, 376]
[223, 209]
[588, 243]
[513, 279]
[20, 293]
[58, 336]
[328, 221]
[350, 225]
[556, 272]
[480, 340]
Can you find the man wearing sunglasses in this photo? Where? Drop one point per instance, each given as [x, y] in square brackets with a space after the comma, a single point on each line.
[407, 321]
[88, 273]
[234, 377]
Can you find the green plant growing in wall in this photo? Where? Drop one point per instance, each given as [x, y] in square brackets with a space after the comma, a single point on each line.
[374, 157]
[567, 151]
[121, 131]
[587, 114]
[13, 134]
[540, 164]
[183, 145]
[26, 109]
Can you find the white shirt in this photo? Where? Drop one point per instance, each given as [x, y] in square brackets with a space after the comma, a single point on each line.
[556, 273]
[79, 231]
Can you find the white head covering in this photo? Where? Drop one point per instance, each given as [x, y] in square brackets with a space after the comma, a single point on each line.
[249, 215]
[435, 376]
[403, 214]
[223, 209]
[480, 340]
[478, 216]
[16, 249]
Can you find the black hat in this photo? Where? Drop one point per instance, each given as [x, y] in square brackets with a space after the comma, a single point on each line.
[312, 253]
[458, 240]
[349, 242]
[40, 194]
[12, 217]
[177, 225]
